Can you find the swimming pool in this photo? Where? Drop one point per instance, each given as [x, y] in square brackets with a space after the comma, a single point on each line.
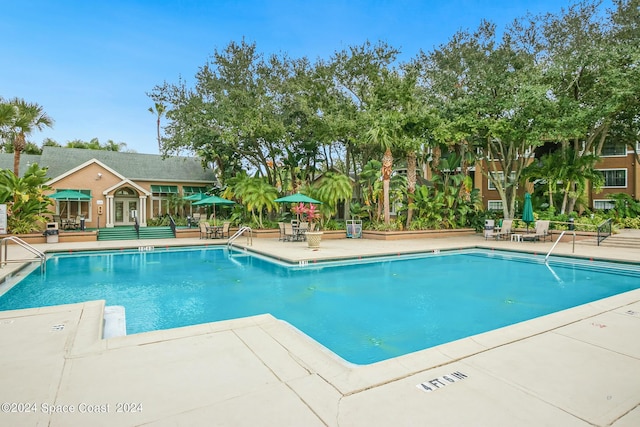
[364, 311]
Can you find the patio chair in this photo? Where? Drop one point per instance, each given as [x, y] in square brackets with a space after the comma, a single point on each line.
[289, 234]
[505, 230]
[205, 231]
[73, 224]
[225, 229]
[281, 229]
[542, 231]
[302, 228]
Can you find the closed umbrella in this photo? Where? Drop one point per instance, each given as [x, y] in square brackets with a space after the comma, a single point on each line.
[527, 211]
[214, 201]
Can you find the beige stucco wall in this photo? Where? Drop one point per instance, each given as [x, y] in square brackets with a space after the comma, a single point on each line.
[99, 179]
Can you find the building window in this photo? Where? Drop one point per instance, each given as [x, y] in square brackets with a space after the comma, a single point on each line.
[500, 177]
[614, 148]
[603, 205]
[614, 177]
[494, 205]
[188, 190]
[160, 198]
[72, 208]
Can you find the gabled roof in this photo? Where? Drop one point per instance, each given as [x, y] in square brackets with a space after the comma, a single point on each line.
[129, 183]
[82, 166]
[134, 166]
[26, 160]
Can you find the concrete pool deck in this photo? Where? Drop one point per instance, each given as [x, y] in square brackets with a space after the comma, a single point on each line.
[578, 367]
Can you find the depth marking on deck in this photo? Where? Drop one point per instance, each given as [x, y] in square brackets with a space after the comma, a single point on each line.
[440, 382]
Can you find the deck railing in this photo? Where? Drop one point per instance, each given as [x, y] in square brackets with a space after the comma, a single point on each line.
[604, 230]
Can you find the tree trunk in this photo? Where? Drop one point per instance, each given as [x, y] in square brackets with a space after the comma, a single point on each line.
[565, 198]
[18, 146]
[411, 184]
[387, 167]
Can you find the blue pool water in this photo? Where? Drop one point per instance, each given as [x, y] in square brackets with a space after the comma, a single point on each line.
[363, 311]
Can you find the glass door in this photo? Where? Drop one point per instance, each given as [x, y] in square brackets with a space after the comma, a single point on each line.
[126, 212]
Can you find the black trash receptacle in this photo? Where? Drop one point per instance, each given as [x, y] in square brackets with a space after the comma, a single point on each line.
[82, 223]
[572, 226]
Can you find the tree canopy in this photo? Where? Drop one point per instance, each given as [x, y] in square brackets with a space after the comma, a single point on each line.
[490, 96]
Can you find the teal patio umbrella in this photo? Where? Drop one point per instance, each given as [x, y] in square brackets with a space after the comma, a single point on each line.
[214, 201]
[196, 197]
[297, 198]
[527, 211]
[69, 195]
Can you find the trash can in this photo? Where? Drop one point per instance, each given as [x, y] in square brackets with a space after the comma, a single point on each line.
[354, 228]
[82, 223]
[489, 225]
[572, 226]
[51, 232]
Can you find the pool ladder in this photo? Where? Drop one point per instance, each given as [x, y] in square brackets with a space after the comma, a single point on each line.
[556, 244]
[4, 255]
[239, 233]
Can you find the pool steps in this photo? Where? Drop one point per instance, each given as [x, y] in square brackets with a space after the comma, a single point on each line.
[115, 324]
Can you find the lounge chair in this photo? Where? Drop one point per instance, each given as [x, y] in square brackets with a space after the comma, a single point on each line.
[505, 230]
[542, 231]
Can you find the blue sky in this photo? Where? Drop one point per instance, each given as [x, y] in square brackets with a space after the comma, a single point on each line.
[91, 63]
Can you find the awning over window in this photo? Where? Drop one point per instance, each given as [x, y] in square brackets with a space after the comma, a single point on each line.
[187, 189]
[166, 189]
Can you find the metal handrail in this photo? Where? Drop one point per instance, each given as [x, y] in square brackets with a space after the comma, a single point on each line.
[239, 233]
[172, 224]
[4, 255]
[137, 226]
[605, 227]
[558, 241]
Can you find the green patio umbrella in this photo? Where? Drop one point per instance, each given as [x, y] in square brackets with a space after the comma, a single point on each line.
[527, 211]
[196, 197]
[69, 195]
[214, 201]
[297, 198]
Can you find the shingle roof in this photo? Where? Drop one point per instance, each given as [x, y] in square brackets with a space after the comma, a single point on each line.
[26, 160]
[134, 166]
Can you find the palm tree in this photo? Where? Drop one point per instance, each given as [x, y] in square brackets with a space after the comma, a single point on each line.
[259, 195]
[158, 109]
[26, 118]
[334, 187]
[254, 193]
[382, 133]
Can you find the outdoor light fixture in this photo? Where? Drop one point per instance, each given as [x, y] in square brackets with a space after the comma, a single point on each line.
[99, 176]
